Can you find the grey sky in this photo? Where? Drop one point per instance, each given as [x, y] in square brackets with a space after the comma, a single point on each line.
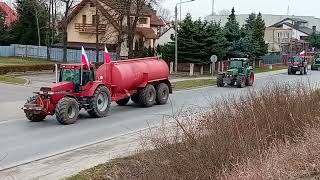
[201, 8]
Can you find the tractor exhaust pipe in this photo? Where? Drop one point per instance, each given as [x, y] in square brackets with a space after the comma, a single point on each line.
[56, 70]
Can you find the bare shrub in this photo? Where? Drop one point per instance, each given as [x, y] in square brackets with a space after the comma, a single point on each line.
[233, 131]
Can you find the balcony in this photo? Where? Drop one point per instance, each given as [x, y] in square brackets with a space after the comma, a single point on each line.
[90, 28]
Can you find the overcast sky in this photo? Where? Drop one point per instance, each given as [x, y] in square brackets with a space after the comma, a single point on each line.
[201, 8]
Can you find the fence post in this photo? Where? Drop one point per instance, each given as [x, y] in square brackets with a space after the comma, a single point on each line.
[191, 69]
[171, 67]
[201, 70]
[26, 55]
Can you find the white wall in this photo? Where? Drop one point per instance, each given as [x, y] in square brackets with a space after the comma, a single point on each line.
[166, 37]
[295, 33]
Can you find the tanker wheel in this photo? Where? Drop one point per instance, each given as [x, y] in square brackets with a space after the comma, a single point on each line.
[162, 94]
[135, 98]
[220, 81]
[67, 111]
[100, 102]
[241, 81]
[123, 102]
[147, 96]
[31, 115]
[250, 79]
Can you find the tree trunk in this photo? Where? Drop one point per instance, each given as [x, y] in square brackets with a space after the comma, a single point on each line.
[65, 41]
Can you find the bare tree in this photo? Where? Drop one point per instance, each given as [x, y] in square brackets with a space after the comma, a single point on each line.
[164, 13]
[68, 4]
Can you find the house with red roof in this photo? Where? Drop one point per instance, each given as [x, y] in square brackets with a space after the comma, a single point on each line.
[82, 26]
[9, 13]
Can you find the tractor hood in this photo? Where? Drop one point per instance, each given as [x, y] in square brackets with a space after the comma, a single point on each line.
[232, 71]
[66, 86]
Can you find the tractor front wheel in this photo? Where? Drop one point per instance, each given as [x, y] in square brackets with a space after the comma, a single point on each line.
[220, 81]
[67, 111]
[250, 79]
[32, 116]
[241, 81]
[100, 102]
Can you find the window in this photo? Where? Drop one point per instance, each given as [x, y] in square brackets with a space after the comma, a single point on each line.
[92, 4]
[94, 19]
[143, 20]
[84, 19]
[278, 35]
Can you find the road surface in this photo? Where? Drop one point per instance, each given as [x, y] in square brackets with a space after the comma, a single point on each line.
[22, 141]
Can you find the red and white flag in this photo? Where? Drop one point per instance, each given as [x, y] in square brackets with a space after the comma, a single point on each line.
[84, 58]
[302, 53]
[107, 58]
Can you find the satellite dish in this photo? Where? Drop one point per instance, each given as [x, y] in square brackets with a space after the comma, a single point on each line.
[214, 58]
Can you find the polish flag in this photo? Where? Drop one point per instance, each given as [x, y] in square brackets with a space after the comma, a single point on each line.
[107, 58]
[302, 53]
[84, 58]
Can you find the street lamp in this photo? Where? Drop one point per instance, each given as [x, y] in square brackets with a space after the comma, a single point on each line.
[176, 33]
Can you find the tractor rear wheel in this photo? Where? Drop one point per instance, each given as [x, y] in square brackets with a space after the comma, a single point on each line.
[67, 110]
[31, 115]
[123, 102]
[241, 81]
[135, 98]
[220, 80]
[162, 94]
[250, 79]
[147, 96]
[100, 102]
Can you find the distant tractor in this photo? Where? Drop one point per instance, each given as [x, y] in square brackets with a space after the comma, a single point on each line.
[316, 64]
[144, 81]
[297, 63]
[239, 73]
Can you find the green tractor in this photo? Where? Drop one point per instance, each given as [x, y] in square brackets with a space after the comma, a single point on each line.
[316, 63]
[239, 73]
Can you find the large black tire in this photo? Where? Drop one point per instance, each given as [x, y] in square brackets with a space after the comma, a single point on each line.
[123, 102]
[147, 96]
[306, 70]
[289, 71]
[301, 70]
[162, 91]
[293, 72]
[250, 79]
[67, 111]
[220, 81]
[135, 98]
[100, 102]
[31, 115]
[241, 81]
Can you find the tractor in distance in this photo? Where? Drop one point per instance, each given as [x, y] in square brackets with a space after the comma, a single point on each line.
[144, 81]
[239, 73]
[297, 63]
[316, 63]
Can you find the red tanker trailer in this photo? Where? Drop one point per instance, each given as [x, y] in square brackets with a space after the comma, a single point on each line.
[143, 80]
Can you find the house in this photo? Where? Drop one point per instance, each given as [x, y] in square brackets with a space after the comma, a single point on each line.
[82, 26]
[9, 13]
[166, 36]
[288, 35]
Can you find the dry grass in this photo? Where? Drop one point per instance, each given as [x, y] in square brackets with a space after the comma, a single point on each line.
[237, 136]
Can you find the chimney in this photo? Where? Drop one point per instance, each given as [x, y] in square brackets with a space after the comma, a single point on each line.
[314, 29]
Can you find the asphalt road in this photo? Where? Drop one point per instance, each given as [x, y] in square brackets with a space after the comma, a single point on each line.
[22, 141]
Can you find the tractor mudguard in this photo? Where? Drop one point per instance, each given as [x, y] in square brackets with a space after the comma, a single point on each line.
[89, 89]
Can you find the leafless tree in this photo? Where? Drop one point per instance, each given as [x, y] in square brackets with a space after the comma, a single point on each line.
[164, 13]
[68, 4]
[224, 12]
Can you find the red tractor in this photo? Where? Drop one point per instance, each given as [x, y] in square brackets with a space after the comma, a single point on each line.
[143, 80]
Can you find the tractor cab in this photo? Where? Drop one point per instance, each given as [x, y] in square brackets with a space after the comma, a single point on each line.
[237, 65]
[77, 74]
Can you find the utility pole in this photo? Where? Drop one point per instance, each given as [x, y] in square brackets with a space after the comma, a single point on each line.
[212, 7]
[176, 39]
[97, 33]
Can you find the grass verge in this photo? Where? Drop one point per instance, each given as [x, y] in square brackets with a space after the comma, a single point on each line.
[218, 144]
[22, 61]
[187, 84]
[266, 69]
[12, 80]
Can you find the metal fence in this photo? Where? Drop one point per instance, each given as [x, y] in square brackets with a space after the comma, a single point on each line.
[55, 53]
[274, 58]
